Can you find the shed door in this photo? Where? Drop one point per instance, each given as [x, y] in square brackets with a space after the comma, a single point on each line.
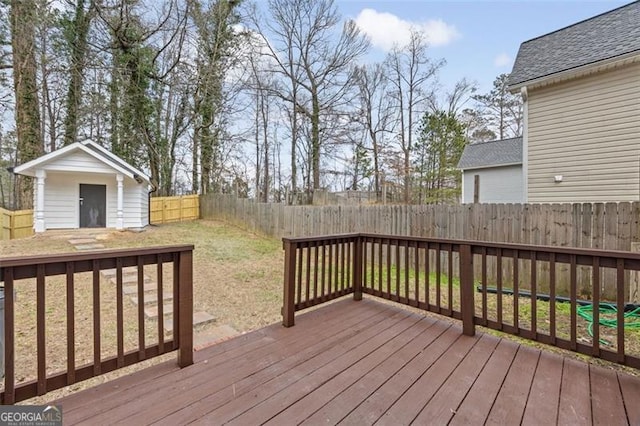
[93, 206]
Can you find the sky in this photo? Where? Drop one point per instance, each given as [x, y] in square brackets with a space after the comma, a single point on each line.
[478, 39]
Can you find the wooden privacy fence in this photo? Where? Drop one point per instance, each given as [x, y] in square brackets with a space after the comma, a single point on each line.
[174, 209]
[16, 224]
[609, 226]
[450, 278]
[91, 324]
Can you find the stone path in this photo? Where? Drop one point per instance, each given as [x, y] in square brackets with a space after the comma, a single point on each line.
[88, 242]
[130, 289]
[202, 338]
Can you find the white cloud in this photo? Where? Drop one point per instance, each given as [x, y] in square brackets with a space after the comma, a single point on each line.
[386, 29]
[502, 60]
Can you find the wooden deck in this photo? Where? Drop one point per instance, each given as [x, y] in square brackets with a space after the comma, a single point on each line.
[361, 363]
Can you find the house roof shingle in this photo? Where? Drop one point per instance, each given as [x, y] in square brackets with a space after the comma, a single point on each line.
[601, 37]
[490, 154]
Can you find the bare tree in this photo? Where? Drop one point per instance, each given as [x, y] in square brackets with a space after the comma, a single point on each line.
[410, 71]
[317, 66]
[502, 108]
[375, 114]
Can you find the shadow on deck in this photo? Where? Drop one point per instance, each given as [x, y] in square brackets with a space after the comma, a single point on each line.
[360, 363]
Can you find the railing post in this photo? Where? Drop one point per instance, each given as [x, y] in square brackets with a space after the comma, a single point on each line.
[289, 297]
[185, 306]
[467, 304]
[357, 268]
[9, 336]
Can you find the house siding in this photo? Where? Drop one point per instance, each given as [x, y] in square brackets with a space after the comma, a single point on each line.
[134, 210]
[78, 161]
[144, 205]
[497, 184]
[588, 131]
[63, 192]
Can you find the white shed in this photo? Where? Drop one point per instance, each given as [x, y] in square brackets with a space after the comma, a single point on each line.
[83, 185]
[492, 172]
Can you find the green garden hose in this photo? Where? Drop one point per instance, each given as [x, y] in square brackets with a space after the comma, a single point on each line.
[608, 317]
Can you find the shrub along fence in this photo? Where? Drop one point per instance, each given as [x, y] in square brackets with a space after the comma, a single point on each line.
[607, 226]
[16, 224]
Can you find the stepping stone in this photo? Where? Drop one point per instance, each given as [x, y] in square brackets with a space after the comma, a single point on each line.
[199, 318]
[130, 279]
[133, 289]
[129, 270]
[152, 299]
[89, 246]
[213, 336]
[152, 312]
[76, 241]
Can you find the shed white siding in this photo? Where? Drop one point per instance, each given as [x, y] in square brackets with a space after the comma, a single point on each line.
[78, 161]
[588, 131]
[62, 194]
[144, 205]
[497, 184]
[135, 207]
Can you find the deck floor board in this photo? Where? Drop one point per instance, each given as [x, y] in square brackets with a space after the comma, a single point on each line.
[361, 363]
[545, 392]
[575, 394]
[511, 401]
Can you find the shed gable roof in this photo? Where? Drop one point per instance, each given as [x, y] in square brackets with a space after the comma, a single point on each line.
[602, 37]
[90, 148]
[501, 152]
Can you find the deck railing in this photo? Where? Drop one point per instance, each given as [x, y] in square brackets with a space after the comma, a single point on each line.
[512, 288]
[25, 273]
[318, 270]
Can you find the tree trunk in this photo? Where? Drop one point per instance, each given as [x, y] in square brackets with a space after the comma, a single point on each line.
[315, 140]
[29, 147]
[78, 46]
[265, 136]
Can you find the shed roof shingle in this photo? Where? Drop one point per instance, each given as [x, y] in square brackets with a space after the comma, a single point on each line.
[601, 37]
[493, 153]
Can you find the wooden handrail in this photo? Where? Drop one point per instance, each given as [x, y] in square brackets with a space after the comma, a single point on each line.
[441, 275]
[307, 284]
[13, 269]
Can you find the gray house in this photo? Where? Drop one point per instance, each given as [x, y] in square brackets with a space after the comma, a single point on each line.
[492, 172]
[581, 91]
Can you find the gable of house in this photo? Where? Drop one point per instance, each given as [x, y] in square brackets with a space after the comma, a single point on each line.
[81, 157]
[581, 86]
